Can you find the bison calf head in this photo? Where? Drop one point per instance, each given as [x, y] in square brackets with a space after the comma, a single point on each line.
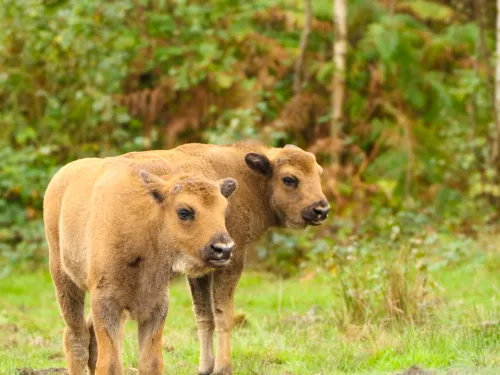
[192, 221]
[294, 185]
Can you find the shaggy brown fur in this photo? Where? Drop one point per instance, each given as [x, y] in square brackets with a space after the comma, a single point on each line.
[120, 233]
[262, 200]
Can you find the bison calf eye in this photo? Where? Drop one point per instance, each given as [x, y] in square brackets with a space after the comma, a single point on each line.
[290, 181]
[185, 214]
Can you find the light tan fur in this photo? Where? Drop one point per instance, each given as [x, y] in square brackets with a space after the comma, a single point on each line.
[261, 201]
[115, 231]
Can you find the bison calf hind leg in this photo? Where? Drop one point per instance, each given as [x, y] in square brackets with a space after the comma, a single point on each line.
[92, 346]
[71, 301]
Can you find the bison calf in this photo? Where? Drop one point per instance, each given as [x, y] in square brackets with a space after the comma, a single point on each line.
[277, 187]
[120, 234]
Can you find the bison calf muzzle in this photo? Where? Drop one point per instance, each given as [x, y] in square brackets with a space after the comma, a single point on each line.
[316, 213]
[219, 251]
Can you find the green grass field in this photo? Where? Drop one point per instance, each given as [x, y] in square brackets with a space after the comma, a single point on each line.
[291, 327]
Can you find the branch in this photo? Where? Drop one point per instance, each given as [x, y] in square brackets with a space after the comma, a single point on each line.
[392, 7]
[304, 39]
[339, 60]
[496, 136]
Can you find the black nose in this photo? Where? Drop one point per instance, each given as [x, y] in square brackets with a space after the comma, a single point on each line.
[321, 211]
[222, 250]
[316, 212]
[219, 249]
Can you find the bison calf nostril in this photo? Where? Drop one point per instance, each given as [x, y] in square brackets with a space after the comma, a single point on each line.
[320, 211]
[216, 249]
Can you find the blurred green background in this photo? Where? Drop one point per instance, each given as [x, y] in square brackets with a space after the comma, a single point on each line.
[86, 78]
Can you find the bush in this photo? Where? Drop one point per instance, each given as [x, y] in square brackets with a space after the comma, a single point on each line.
[25, 175]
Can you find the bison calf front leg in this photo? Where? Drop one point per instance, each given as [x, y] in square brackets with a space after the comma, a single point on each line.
[93, 342]
[201, 291]
[224, 286]
[106, 319]
[150, 340]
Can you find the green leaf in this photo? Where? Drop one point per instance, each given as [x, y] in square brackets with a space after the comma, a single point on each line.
[427, 10]
[223, 80]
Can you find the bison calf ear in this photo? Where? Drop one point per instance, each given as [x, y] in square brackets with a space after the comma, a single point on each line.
[154, 185]
[259, 163]
[227, 186]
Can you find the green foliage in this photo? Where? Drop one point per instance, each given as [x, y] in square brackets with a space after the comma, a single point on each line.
[429, 232]
[60, 63]
[428, 10]
[233, 126]
[417, 113]
[25, 175]
[207, 47]
[386, 269]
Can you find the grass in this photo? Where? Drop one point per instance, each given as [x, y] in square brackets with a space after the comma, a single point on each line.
[292, 327]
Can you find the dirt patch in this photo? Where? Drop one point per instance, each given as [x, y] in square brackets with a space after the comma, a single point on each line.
[45, 371]
[58, 371]
[415, 371]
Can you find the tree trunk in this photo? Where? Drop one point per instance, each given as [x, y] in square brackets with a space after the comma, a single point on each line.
[304, 39]
[339, 61]
[496, 134]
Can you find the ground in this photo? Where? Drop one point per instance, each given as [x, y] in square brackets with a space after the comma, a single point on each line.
[290, 327]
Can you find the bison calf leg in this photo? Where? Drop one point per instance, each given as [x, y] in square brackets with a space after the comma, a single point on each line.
[71, 301]
[150, 342]
[201, 292]
[93, 342]
[106, 320]
[92, 346]
[224, 286]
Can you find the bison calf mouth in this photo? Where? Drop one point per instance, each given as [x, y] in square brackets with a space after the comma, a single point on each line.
[316, 213]
[219, 263]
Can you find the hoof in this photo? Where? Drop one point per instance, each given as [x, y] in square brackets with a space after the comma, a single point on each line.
[226, 370]
[206, 371]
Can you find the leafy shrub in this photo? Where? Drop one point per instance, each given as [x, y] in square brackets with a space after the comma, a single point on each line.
[60, 63]
[387, 285]
[384, 265]
[25, 175]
